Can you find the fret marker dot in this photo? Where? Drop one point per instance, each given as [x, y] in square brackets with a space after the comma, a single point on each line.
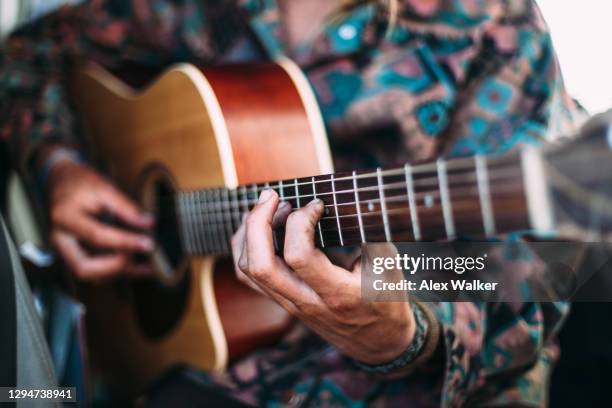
[429, 201]
[370, 206]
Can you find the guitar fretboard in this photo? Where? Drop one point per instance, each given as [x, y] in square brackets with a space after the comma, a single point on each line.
[441, 200]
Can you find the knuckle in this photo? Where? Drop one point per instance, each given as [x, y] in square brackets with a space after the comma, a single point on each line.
[340, 304]
[297, 258]
[251, 220]
[260, 272]
[243, 266]
[308, 309]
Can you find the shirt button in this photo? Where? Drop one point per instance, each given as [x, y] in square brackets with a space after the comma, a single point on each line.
[347, 32]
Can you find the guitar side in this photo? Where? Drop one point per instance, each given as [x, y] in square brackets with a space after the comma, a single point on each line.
[204, 128]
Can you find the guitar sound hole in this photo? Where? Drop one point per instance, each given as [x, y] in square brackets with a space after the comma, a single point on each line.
[160, 302]
[166, 228]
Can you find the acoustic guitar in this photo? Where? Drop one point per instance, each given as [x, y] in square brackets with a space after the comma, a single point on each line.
[197, 146]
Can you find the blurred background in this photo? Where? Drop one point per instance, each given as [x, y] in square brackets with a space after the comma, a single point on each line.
[577, 29]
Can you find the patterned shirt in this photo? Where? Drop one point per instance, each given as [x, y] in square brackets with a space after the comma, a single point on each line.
[449, 78]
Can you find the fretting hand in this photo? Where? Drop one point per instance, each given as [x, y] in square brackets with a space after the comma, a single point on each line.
[324, 296]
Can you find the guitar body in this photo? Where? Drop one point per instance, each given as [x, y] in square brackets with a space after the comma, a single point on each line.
[191, 128]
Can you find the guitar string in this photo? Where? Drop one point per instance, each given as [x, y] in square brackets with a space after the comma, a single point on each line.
[401, 198]
[330, 234]
[418, 183]
[464, 163]
[216, 220]
[221, 206]
[395, 212]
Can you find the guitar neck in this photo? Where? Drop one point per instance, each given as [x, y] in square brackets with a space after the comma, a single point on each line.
[441, 200]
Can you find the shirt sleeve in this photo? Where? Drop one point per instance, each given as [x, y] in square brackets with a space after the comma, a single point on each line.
[34, 107]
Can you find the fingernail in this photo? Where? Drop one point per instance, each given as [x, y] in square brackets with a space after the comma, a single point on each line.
[265, 196]
[314, 202]
[147, 244]
[283, 205]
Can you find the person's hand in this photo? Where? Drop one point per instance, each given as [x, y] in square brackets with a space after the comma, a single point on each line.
[325, 297]
[94, 250]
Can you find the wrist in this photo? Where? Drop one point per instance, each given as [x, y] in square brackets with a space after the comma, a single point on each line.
[56, 160]
[422, 329]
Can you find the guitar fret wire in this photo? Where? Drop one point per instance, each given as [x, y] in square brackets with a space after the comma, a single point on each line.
[206, 233]
[395, 198]
[383, 205]
[402, 198]
[235, 209]
[400, 211]
[484, 192]
[370, 226]
[447, 209]
[192, 223]
[211, 223]
[297, 194]
[314, 193]
[414, 215]
[397, 211]
[218, 217]
[456, 164]
[433, 182]
[229, 223]
[225, 238]
[358, 207]
[255, 193]
[245, 201]
[336, 210]
[198, 216]
[196, 231]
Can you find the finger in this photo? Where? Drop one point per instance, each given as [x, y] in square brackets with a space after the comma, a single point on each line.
[237, 253]
[101, 235]
[84, 266]
[259, 227]
[305, 259]
[264, 267]
[280, 217]
[241, 262]
[120, 205]
[238, 247]
[140, 270]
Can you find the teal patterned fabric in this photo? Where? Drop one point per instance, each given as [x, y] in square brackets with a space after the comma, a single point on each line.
[452, 78]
